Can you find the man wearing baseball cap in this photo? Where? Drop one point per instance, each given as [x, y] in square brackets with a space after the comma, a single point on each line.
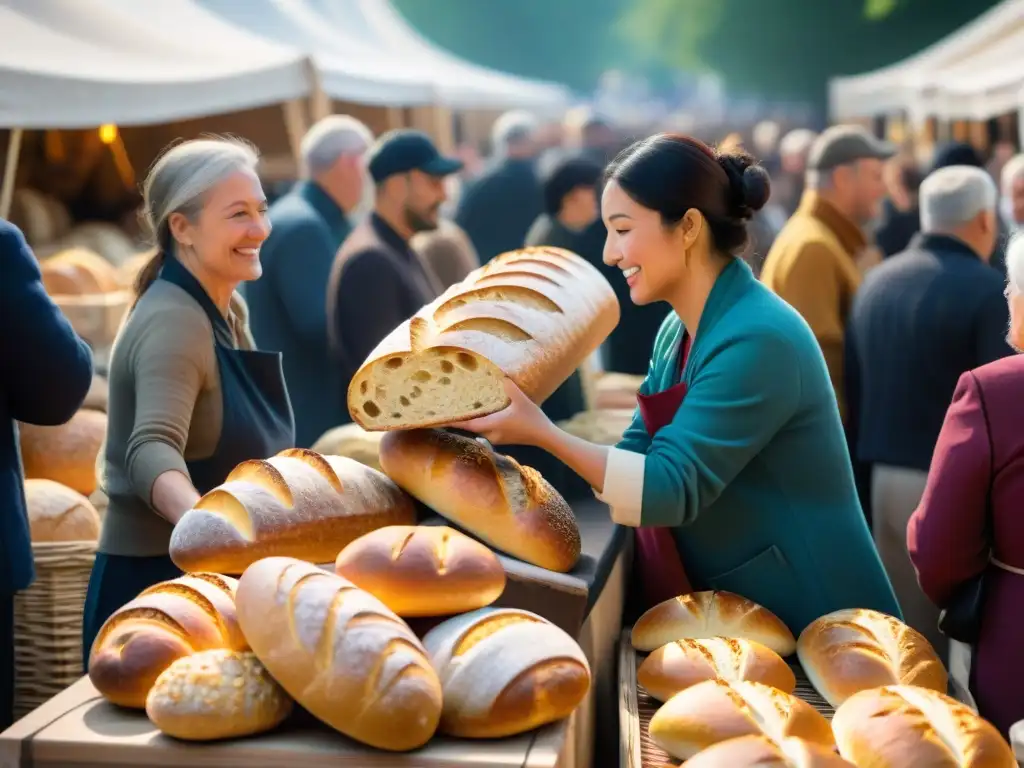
[378, 280]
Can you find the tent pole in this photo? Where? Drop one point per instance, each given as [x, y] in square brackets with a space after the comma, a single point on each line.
[10, 171]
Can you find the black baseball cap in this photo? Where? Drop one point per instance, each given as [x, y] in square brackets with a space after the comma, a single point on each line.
[845, 144]
[406, 150]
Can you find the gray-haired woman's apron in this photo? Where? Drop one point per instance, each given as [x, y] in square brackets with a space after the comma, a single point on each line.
[257, 423]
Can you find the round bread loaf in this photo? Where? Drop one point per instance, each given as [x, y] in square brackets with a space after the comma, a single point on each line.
[78, 271]
[703, 615]
[853, 650]
[900, 726]
[57, 513]
[65, 453]
[423, 570]
[715, 711]
[762, 752]
[505, 671]
[217, 694]
[676, 666]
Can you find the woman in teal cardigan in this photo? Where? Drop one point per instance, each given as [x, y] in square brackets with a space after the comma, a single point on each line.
[737, 443]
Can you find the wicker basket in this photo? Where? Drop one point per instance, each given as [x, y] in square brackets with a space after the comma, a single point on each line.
[48, 623]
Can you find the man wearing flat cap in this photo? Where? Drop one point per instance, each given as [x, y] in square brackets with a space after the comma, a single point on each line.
[377, 280]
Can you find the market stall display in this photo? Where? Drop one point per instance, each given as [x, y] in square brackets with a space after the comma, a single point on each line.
[58, 513]
[603, 426]
[616, 390]
[65, 453]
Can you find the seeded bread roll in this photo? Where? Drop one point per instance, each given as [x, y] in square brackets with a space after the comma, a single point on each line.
[762, 752]
[533, 315]
[703, 615]
[65, 453]
[423, 570]
[218, 694]
[57, 513]
[676, 666]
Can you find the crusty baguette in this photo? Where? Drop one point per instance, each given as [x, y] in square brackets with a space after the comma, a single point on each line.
[340, 653]
[495, 498]
[904, 725]
[217, 694]
[852, 650]
[57, 513]
[762, 752]
[505, 671]
[715, 711]
[534, 315]
[296, 504]
[423, 570]
[701, 615]
[164, 623]
[676, 666]
[65, 453]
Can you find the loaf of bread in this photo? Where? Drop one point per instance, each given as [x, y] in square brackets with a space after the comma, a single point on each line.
[852, 650]
[164, 623]
[296, 504]
[903, 725]
[351, 441]
[505, 671]
[676, 666]
[217, 694]
[65, 453]
[423, 570]
[509, 506]
[78, 271]
[340, 653]
[708, 713]
[762, 752]
[702, 615]
[533, 315]
[57, 513]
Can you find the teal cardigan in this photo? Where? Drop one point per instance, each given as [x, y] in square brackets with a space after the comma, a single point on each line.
[753, 474]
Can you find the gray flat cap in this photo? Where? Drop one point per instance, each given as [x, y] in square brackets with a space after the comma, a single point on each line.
[845, 144]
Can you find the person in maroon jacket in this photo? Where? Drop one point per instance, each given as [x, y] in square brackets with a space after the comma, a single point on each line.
[969, 521]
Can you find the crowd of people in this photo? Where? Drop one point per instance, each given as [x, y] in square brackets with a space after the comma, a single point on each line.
[802, 325]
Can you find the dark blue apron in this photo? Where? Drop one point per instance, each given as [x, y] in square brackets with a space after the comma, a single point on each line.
[257, 423]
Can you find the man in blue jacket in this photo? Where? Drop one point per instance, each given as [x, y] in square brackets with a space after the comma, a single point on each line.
[45, 373]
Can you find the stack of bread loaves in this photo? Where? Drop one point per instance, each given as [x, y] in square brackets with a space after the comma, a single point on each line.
[58, 513]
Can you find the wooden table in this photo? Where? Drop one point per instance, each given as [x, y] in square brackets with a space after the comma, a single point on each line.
[78, 729]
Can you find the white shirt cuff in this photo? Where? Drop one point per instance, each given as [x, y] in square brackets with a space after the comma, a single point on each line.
[624, 486]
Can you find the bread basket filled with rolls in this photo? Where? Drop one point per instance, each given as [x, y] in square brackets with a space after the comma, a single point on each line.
[713, 679]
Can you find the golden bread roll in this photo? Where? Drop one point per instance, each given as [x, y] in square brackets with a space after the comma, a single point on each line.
[296, 504]
[423, 570]
[217, 694]
[164, 623]
[708, 713]
[340, 653]
[505, 671]
[353, 442]
[849, 651]
[57, 513]
[65, 453]
[533, 315]
[904, 726]
[507, 505]
[78, 271]
[762, 752]
[676, 666]
[702, 615]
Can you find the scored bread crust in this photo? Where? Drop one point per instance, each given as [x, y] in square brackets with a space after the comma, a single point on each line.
[508, 505]
[533, 315]
[905, 725]
[423, 570]
[505, 671]
[340, 653]
[296, 504]
[715, 711]
[851, 650]
[65, 453]
[701, 615]
[676, 666]
[762, 752]
[169, 620]
[58, 513]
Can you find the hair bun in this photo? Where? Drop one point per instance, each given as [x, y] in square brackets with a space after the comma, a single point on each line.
[750, 183]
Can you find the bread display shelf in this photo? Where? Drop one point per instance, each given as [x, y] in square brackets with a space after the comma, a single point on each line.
[637, 707]
[78, 728]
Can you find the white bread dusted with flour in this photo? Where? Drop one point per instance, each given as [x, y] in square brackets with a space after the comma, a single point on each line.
[852, 650]
[762, 752]
[340, 653]
[905, 726]
[533, 315]
[296, 504]
[58, 513]
[218, 694]
[505, 671]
